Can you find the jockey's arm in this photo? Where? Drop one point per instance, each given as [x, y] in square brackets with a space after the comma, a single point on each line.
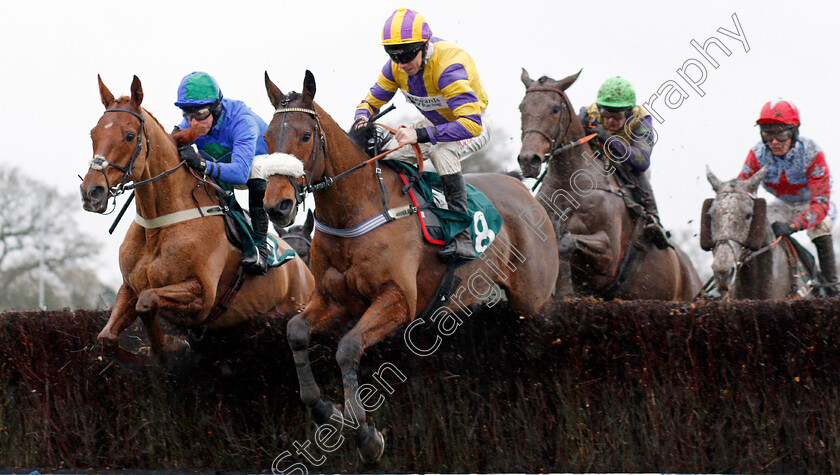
[245, 133]
[637, 152]
[379, 94]
[820, 189]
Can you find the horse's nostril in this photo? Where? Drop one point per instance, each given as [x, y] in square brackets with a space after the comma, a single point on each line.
[97, 193]
[285, 206]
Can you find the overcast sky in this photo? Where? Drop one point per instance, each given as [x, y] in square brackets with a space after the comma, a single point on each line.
[52, 52]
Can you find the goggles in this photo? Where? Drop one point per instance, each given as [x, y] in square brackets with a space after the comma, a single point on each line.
[777, 135]
[614, 115]
[405, 57]
[197, 114]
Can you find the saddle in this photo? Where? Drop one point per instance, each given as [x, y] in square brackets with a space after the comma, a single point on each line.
[441, 224]
[240, 234]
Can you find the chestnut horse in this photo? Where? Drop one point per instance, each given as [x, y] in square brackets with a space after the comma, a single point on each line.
[178, 271]
[749, 262]
[381, 280]
[595, 231]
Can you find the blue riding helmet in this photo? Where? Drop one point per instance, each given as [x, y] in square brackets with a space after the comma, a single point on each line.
[198, 89]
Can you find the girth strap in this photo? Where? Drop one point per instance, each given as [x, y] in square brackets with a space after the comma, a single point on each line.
[369, 225]
[178, 216]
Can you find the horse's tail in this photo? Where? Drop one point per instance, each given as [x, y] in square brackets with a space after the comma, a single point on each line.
[516, 174]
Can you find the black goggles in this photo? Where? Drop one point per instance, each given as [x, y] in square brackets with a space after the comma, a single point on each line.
[406, 56]
[197, 114]
[778, 135]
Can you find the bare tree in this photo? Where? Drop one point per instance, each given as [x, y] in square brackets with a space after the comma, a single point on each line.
[37, 222]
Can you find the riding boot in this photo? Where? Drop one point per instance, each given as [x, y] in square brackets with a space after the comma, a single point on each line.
[257, 263]
[653, 227]
[461, 246]
[828, 267]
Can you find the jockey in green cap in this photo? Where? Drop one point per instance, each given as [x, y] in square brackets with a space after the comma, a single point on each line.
[626, 135]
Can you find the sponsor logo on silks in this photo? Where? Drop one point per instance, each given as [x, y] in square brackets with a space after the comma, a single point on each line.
[426, 103]
[484, 236]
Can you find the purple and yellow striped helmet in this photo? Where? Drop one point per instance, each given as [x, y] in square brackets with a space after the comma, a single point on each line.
[405, 26]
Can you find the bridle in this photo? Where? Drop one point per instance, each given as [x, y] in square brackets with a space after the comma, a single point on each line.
[745, 255]
[98, 162]
[556, 146]
[555, 141]
[308, 187]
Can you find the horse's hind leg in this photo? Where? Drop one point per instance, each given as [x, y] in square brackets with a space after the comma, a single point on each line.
[298, 331]
[385, 314]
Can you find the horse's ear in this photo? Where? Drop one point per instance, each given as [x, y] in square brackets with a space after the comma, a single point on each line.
[309, 85]
[568, 81]
[136, 91]
[309, 224]
[274, 94]
[104, 93]
[526, 79]
[755, 180]
[706, 242]
[758, 225]
[713, 180]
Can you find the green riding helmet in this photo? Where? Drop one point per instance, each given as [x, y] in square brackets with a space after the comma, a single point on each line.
[616, 93]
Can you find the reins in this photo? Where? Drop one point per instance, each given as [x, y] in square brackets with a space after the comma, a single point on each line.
[328, 181]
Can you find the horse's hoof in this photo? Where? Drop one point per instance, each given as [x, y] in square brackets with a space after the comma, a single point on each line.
[326, 412]
[176, 345]
[371, 445]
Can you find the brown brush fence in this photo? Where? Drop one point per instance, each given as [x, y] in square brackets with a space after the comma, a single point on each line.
[600, 386]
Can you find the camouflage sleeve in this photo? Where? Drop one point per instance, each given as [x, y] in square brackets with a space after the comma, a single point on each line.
[639, 149]
[820, 188]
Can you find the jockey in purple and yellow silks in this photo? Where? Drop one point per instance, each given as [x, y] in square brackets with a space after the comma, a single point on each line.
[231, 134]
[797, 174]
[441, 80]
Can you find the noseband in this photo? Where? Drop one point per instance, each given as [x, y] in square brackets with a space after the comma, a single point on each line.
[554, 142]
[99, 162]
[309, 187]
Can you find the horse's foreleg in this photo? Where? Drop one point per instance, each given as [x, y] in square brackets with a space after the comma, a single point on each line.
[386, 313]
[122, 316]
[596, 249]
[317, 314]
[180, 302]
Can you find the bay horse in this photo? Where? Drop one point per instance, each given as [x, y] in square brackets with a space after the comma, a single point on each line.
[379, 281]
[173, 268]
[749, 262]
[597, 237]
[299, 236]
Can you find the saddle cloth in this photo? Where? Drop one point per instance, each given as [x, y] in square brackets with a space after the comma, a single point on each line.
[441, 224]
[240, 233]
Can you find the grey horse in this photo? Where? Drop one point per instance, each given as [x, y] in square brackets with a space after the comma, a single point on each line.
[749, 262]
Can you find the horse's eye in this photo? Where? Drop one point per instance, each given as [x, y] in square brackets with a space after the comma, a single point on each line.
[305, 137]
[129, 136]
[749, 216]
[556, 109]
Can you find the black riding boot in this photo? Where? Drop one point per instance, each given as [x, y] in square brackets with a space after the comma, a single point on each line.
[828, 267]
[653, 228]
[461, 246]
[257, 263]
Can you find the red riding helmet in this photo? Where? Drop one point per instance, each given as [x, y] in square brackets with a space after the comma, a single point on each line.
[779, 111]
